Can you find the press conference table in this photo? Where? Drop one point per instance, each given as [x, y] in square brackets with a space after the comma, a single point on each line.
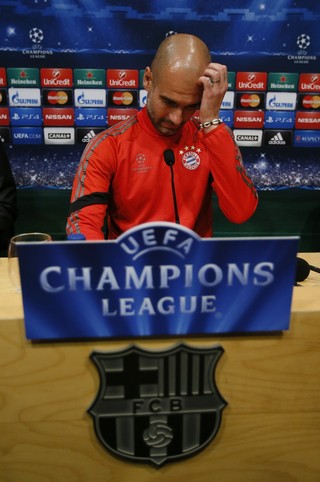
[270, 430]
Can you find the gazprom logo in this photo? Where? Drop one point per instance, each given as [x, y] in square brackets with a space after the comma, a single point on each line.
[281, 101]
[142, 97]
[90, 97]
[24, 97]
[228, 101]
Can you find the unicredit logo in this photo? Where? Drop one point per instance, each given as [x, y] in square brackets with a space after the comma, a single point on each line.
[122, 83]
[56, 82]
[56, 77]
[251, 85]
[311, 87]
[310, 82]
[122, 78]
[251, 80]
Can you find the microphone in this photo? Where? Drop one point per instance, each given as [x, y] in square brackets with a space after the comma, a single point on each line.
[170, 160]
[303, 269]
[169, 157]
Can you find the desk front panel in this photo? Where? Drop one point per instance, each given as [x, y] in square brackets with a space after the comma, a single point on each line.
[270, 430]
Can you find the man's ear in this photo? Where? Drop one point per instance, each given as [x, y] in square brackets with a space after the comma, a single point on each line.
[147, 79]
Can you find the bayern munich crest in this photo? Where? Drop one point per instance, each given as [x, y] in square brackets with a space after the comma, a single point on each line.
[157, 406]
[190, 157]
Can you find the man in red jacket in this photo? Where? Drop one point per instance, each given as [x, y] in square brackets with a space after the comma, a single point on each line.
[124, 175]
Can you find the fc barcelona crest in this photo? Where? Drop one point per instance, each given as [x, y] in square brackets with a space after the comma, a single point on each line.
[157, 406]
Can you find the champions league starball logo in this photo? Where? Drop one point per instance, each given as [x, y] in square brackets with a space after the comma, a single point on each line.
[170, 33]
[36, 35]
[303, 41]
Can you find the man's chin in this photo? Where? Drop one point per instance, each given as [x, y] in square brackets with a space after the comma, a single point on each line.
[169, 131]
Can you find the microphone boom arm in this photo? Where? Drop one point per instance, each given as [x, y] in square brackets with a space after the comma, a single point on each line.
[170, 160]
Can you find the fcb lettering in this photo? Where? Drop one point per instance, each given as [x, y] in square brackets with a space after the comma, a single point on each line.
[152, 414]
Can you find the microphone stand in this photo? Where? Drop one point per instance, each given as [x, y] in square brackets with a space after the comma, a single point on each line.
[170, 160]
[176, 212]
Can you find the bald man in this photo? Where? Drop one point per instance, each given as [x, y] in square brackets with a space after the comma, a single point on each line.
[125, 172]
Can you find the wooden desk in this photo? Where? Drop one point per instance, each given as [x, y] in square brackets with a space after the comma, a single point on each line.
[270, 429]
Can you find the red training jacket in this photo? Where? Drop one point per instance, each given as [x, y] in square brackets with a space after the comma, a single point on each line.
[122, 173]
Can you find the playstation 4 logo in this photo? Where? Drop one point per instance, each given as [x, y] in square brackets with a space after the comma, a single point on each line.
[90, 117]
[26, 116]
[276, 120]
[227, 117]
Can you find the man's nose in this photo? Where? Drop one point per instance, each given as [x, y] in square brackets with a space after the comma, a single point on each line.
[176, 116]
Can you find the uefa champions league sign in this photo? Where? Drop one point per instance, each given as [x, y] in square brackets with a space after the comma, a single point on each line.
[157, 279]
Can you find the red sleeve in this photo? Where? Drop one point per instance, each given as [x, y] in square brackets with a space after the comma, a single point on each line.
[237, 196]
[89, 198]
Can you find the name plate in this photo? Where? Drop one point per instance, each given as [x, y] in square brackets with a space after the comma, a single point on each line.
[158, 279]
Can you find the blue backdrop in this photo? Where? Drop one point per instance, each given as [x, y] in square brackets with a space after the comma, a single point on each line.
[271, 36]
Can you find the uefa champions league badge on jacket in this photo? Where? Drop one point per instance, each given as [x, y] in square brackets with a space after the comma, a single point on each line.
[157, 406]
[190, 157]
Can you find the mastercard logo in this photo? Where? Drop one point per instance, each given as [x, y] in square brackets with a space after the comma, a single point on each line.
[250, 100]
[122, 98]
[57, 97]
[311, 102]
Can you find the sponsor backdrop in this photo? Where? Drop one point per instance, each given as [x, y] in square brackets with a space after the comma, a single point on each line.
[69, 70]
